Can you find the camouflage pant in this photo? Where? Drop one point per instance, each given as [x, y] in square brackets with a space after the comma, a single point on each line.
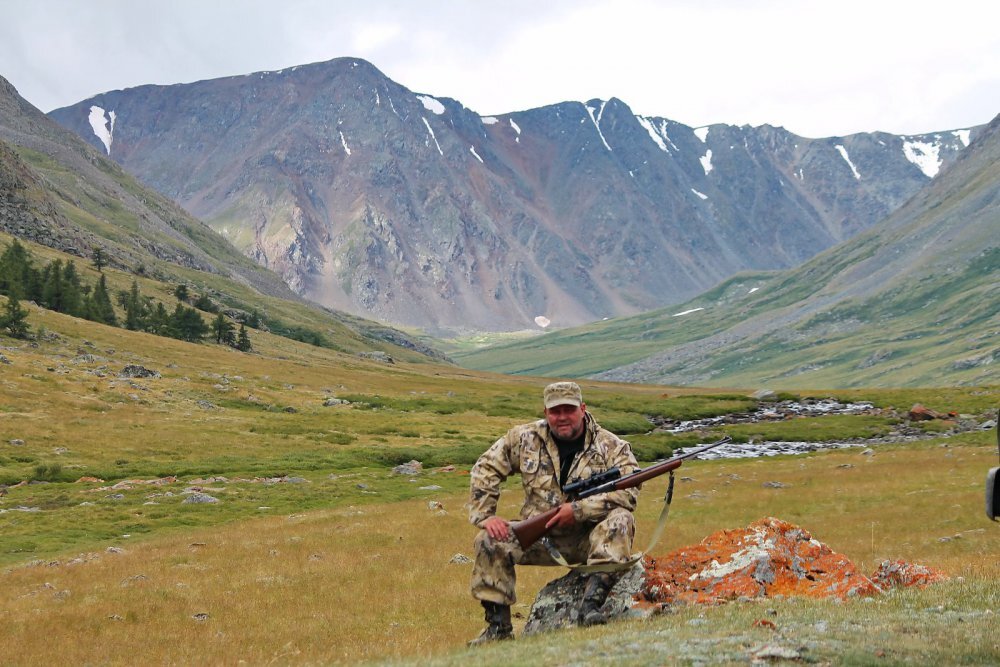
[493, 577]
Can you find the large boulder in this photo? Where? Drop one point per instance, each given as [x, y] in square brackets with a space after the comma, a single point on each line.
[768, 558]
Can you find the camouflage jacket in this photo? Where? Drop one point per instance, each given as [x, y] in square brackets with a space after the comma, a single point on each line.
[529, 449]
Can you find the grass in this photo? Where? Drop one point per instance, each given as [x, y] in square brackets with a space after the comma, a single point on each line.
[338, 560]
[371, 580]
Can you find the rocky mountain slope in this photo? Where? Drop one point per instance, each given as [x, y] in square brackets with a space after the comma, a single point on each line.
[913, 301]
[58, 191]
[412, 209]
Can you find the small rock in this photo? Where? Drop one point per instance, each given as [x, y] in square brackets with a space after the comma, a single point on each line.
[435, 505]
[196, 498]
[432, 487]
[460, 559]
[774, 485]
[409, 468]
[775, 652]
[200, 616]
[17, 442]
[136, 371]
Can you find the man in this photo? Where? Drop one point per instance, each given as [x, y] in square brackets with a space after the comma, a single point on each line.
[565, 446]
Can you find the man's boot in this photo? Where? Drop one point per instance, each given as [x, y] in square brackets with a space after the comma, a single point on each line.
[498, 625]
[595, 594]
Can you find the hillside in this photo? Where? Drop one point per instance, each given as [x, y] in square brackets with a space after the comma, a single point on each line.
[229, 500]
[913, 301]
[371, 198]
[57, 191]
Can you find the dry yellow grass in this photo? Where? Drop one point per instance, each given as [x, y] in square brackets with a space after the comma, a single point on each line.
[374, 582]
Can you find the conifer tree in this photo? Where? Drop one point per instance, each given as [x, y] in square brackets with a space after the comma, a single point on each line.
[100, 260]
[52, 286]
[243, 339]
[14, 318]
[72, 291]
[223, 330]
[16, 271]
[186, 324]
[99, 308]
[135, 310]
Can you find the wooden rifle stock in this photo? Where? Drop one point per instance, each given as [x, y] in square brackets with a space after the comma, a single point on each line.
[532, 529]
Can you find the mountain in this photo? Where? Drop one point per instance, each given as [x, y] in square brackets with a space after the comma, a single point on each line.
[58, 191]
[411, 209]
[913, 301]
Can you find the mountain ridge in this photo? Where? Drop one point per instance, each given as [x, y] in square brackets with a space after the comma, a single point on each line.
[913, 300]
[412, 209]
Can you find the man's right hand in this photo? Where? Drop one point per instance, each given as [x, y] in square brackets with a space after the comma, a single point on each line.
[497, 528]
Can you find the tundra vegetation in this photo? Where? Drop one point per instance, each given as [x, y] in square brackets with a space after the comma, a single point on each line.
[316, 552]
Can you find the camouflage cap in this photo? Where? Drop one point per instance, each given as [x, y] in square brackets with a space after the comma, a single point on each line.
[562, 393]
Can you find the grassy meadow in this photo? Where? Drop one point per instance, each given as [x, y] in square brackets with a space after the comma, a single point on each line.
[316, 553]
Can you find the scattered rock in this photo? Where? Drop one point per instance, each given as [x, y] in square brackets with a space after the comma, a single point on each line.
[196, 498]
[4, 360]
[331, 401]
[435, 505]
[377, 356]
[134, 579]
[409, 468]
[17, 442]
[558, 603]
[774, 485]
[201, 616]
[460, 559]
[898, 574]
[205, 405]
[136, 371]
[920, 413]
[774, 652]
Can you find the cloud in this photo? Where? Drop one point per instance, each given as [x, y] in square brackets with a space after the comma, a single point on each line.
[819, 69]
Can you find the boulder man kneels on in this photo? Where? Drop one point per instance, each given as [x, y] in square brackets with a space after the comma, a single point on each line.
[567, 445]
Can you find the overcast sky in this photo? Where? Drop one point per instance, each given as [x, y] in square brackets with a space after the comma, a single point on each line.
[818, 68]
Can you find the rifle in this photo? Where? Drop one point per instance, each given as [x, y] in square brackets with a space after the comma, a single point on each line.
[532, 529]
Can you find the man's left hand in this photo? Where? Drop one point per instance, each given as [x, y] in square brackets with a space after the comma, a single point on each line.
[563, 518]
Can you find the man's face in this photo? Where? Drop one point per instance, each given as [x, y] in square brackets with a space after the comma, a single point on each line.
[566, 421]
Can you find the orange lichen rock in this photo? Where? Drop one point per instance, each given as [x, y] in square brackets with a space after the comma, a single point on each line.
[768, 558]
[897, 573]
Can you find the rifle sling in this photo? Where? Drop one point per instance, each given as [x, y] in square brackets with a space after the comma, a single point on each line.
[634, 558]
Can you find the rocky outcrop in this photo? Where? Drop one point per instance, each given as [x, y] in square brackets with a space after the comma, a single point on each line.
[769, 558]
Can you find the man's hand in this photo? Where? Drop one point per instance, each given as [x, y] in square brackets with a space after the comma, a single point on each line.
[496, 528]
[563, 518]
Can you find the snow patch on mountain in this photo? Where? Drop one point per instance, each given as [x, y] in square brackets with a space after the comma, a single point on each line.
[924, 155]
[431, 104]
[490, 120]
[652, 133]
[700, 194]
[596, 120]
[847, 159]
[343, 142]
[472, 149]
[963, 136]
[431, 132]
[706, 161]
[103, 124]
[687, 312]
[701, 133]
